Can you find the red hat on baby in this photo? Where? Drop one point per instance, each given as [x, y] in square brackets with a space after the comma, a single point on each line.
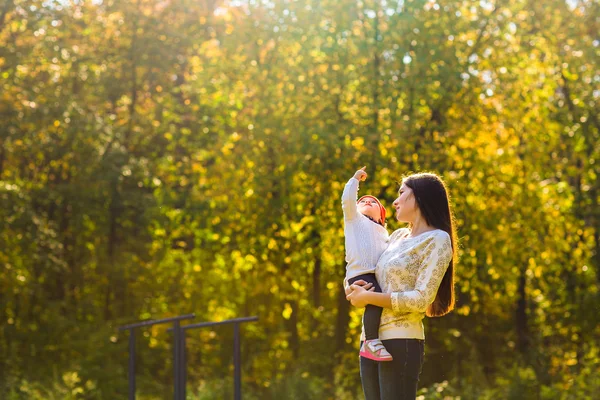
[381, 207]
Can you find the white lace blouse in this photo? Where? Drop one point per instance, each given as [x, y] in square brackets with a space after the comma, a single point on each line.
[411, 269]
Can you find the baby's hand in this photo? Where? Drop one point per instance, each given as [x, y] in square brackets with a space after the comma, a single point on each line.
[361, 175]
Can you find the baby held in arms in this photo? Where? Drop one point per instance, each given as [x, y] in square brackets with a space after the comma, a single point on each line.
[366, 238]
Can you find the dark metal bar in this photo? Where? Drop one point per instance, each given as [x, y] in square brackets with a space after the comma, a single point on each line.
[183, 369]
[132, 364]
[156, 321]
[237, 362]
[229, 321]
[176, 361]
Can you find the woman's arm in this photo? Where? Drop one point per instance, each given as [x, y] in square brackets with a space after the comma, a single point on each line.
[361, 298]
[438, 256]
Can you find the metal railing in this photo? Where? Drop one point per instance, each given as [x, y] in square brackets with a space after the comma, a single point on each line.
[176, 347]
[179, 351]
[237, 355]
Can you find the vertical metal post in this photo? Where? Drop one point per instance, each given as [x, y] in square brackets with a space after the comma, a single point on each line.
[237, 361]
[176, 349]
[183, 369]
[132, 364]
[176, 354]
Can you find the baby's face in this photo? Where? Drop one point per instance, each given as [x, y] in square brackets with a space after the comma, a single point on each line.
[369, 207]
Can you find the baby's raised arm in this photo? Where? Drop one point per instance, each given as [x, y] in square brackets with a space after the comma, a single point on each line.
[350, 194]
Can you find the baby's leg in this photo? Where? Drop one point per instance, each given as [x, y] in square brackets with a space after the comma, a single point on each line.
[372, 347]
[372, 315]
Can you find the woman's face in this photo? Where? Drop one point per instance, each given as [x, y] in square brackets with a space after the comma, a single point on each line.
[405, 205]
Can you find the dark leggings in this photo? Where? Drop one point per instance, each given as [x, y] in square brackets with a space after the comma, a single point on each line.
[372, 315]
[397, 379]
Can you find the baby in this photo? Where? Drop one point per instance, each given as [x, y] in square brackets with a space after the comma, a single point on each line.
[366, 238]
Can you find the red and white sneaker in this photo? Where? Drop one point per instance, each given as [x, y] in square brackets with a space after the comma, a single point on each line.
[375, 350]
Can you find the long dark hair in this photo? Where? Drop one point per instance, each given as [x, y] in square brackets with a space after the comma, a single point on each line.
[432, 198]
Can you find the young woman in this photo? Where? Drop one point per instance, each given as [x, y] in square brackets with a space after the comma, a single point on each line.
[416, 275]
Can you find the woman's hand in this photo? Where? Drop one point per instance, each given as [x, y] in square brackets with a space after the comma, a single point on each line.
[362, 283]
[358, 295]
[361, 175]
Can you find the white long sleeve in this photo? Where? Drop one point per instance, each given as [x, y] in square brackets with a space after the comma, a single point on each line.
[349, 197]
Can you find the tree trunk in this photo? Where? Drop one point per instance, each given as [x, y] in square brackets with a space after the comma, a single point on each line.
[521, 315]
[374, 145]
[341, 323]
[112, 242]
[293, 328]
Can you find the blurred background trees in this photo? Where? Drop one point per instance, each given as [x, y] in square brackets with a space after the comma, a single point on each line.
[161, 157]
